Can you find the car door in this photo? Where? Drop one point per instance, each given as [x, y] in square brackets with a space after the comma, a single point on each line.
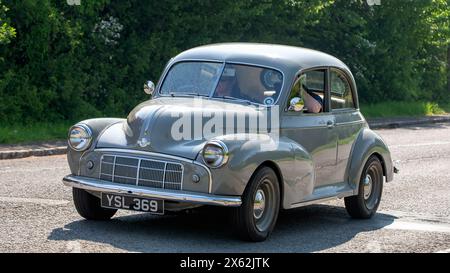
[349, 121]
[315, 132]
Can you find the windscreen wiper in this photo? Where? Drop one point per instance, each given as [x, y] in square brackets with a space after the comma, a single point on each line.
[237, 99]
[176, 94]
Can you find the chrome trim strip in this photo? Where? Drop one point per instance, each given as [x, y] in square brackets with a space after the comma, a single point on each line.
[305, 128]
[138, 171]
[350, 123]
[112, 150]
[182, 177]
[114, 167]
[321, 200]
[325, 126]
[79, 161]
[97, 185]
[164, 176]
[312, 202]
[128, 151]
[222, 69]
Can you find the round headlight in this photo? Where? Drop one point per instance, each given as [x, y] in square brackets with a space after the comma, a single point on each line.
[215, 154]
[80, 137]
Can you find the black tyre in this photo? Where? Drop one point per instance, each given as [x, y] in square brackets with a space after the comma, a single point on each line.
[365, 204]
[88, 206]
[256, 217]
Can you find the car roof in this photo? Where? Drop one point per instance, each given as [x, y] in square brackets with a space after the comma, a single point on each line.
[286, 58]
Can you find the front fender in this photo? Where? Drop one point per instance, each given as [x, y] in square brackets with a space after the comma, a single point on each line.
[97, 126]
[293, 163]
[367, 144]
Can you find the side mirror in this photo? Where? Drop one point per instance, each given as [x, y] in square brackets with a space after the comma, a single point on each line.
[296, 104]
[149, 87]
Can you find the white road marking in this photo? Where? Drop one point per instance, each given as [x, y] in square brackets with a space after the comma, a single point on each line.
[414, 226]
[421, 144]
[417, 222]
[38, 201]
[443, 251]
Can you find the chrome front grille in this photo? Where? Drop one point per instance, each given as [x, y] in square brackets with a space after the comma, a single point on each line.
[141, 172]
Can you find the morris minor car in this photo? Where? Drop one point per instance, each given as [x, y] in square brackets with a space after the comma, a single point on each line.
[253, 127]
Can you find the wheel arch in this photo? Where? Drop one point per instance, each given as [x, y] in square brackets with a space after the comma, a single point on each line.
[274, 166]
[368, 144]
[383, 164]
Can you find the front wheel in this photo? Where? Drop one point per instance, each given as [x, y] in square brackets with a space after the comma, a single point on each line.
[256, 217]
[365, 204]
[89, 207]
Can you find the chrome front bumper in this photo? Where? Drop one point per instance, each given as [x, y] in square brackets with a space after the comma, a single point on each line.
[97, 185]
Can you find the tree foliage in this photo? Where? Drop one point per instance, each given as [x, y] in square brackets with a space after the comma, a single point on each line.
[67, 62]
[6, 31]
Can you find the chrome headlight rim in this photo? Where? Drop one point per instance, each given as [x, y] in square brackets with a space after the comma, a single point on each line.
[88, 132]
[224, 157]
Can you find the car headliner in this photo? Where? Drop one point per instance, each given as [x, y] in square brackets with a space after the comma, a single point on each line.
[289, 59]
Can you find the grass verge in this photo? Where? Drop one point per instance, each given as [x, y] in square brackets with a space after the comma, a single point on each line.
[403, 109]
[11, 134]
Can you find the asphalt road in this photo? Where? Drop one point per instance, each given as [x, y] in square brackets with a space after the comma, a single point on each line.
[37, 214]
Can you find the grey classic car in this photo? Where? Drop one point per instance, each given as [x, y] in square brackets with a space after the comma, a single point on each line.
[253, 127]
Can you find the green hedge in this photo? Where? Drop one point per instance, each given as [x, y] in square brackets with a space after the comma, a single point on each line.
[61, 62]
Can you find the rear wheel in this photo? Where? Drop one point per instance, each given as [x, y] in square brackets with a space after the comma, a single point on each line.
[365, 204]
[89, 207]
[256, 217]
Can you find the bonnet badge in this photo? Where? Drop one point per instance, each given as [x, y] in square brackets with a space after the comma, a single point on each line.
[143, 142]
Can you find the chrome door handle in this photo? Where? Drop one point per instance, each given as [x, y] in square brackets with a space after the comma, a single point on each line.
[330, 124]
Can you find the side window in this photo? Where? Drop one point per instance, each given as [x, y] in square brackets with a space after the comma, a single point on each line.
[341, 92]
[308, 93]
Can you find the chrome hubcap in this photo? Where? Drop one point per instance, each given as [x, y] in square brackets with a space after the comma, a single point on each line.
[367, 187]
[259, 204]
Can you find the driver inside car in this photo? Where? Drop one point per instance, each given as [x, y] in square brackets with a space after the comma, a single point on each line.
[227, 86]
[313, 102]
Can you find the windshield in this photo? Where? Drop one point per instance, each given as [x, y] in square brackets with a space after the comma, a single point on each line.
[192, 78]
[234, 81]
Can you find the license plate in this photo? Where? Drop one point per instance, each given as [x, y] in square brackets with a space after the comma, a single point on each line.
[114, 201]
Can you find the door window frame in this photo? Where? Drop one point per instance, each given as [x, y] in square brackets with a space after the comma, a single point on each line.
[352, 90]
[326, 93]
